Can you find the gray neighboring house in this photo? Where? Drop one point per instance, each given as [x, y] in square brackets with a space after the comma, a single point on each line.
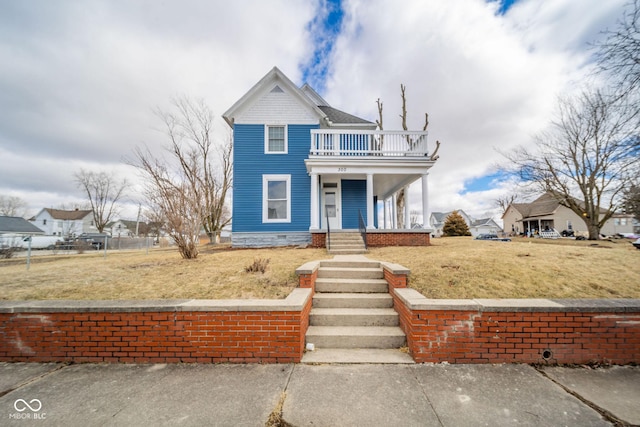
[17, 225]
[13, 229]
[476, 226]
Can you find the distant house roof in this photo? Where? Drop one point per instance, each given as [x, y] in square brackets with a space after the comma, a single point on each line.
[543, 205]
[483, 221]
[68, 215]
[18, 225]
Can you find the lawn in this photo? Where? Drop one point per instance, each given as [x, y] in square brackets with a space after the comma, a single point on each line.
[450, 268]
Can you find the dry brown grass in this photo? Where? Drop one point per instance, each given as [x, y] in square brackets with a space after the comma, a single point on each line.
[524, 268]
[217, 273]
[450, 268]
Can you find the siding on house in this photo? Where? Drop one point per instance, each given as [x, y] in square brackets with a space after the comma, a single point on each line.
[251, 163]
[354, 198]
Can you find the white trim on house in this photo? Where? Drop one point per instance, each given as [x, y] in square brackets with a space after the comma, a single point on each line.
[265, 198]
[267, 149]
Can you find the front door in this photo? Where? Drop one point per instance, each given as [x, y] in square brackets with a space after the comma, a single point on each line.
[331, 206]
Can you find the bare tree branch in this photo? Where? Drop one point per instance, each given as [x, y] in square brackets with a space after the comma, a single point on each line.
[192, 195]
[103, 191]
[586, 159]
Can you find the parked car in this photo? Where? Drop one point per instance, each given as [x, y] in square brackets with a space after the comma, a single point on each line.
[636, 244]
[567, 233]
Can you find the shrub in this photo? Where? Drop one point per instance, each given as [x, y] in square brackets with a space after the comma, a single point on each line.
[6, 253]
[259, 266]
[455, 225]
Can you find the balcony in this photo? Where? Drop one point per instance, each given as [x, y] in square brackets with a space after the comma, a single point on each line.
[357, 143]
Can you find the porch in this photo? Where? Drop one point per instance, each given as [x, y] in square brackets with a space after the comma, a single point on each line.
[360, 172]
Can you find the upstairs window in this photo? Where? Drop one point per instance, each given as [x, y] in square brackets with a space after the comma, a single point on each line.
[276, 198]
[275, 139]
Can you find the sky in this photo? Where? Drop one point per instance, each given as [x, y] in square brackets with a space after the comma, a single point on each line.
[79, 81]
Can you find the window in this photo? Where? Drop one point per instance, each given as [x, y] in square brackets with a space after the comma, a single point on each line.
[276, 198]
[275, 139]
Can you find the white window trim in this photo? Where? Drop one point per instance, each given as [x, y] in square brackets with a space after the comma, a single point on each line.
[265, 201]
[266, 139]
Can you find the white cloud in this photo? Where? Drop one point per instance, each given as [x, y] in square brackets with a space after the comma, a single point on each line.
[487, 81]
[80, 79]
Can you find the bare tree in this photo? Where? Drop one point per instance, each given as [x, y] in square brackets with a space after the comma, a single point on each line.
[618, 54]
[190, 195]
[588, 152]
[12, 206]
[631, 201]
[401, 196]
[104, 191]
[503, 202]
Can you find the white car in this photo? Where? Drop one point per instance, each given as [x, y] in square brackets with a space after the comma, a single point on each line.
[636, 244]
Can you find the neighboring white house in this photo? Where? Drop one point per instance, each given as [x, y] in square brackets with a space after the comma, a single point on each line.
[546, 213]
[58, 222]
[476, 226]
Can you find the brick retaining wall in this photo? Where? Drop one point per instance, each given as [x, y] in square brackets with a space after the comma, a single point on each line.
[239, 331]
[516, 331]
[273, 331]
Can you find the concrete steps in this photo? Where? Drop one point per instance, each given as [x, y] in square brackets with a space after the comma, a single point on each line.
[352, 300]
[356, 336]
[346, 243]
[352, 319]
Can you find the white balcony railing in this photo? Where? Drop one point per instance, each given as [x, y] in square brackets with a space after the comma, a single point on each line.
[339, 142]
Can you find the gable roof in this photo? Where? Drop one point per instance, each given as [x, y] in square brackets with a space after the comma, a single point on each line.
[306, 95]
[273, 76]
[15, 224]
[547, 204]
[67, 215]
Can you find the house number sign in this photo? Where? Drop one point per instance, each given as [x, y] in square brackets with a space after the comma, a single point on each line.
[342, 169]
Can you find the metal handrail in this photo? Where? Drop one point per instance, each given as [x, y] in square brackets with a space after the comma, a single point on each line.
[328, 243]
[362, 227]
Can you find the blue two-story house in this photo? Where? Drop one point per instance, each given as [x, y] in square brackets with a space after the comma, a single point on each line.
[300, 165]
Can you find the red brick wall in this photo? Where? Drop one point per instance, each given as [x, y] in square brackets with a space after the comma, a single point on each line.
[530, 335]
[382, 238]
[318, 240]
[375, 239]
[522, 337]
[154, 337]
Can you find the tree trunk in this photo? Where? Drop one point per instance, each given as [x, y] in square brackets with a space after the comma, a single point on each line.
[594, 231]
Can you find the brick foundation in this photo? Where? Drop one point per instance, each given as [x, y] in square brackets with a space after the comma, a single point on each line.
[381, 238]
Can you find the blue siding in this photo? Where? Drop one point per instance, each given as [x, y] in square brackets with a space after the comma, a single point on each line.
[250, 163]
[354, 198]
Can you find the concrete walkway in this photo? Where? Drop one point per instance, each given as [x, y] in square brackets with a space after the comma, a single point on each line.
[317, 395]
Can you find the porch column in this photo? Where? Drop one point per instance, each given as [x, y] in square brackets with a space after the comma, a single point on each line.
[314, 224]
[394, 215]
[370, 201]
[407, 209]
[425, 201]
[384, 213]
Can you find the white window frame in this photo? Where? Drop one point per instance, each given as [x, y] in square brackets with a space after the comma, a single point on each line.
[266, 139]
[265, 198]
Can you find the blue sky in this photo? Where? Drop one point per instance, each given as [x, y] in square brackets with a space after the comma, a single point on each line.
[80, 80]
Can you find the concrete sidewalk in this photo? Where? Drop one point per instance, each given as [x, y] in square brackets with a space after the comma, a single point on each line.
[317, 395]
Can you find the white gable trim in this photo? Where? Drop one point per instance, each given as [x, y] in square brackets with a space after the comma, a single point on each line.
[261, 91]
